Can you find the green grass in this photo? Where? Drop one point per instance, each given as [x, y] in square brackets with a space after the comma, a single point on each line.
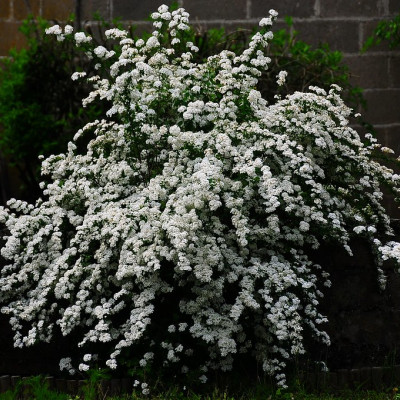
[36, 388]
[217, 395]
[286, 395]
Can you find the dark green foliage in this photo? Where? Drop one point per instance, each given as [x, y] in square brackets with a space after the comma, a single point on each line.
[40, 107]
[35, 388]
[92, 388]
[388, 31]
[306, 66]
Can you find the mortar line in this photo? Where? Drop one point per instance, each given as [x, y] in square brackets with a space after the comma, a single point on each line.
[248, 9]
[317, 8]
[360, 35]
[111, 9]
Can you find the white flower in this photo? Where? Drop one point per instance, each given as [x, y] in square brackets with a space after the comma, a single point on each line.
[65, 363]
[182, 326]
[162, 9]
[100, 51]
[77, 75]
[273, 13]
[115, 33]
[80, 37]
[54, 30]
[304, 226]
[387, 150]
[265, 22]
[145, 388]
[152, 42]
[196, 89]
[112, 363]
[359, 229]
[142, 362]
[203, 379]
[83, 367]
[281, 78]
[68, 29]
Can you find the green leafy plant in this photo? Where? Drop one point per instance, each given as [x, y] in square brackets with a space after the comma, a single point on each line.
[257, 392]
[386, 31]
[39, 108]
[93, 386]
[306, 65]
[33, 388]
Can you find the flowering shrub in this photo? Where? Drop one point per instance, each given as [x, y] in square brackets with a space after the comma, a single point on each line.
[40, 111]
[183, 232]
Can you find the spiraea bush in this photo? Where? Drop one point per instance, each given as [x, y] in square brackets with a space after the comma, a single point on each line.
[181, 236]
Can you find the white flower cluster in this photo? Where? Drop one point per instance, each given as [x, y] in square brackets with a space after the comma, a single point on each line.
[281, 78]
[187, 223]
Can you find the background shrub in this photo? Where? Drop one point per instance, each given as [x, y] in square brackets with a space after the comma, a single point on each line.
[39, 108]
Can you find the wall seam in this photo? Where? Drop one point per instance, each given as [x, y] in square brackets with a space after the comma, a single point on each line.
[317, 8]
[389, 71]
[360, 35]
[372, 53]
[386, 7]
[111, 10]
[295, 19]
[248, 9]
